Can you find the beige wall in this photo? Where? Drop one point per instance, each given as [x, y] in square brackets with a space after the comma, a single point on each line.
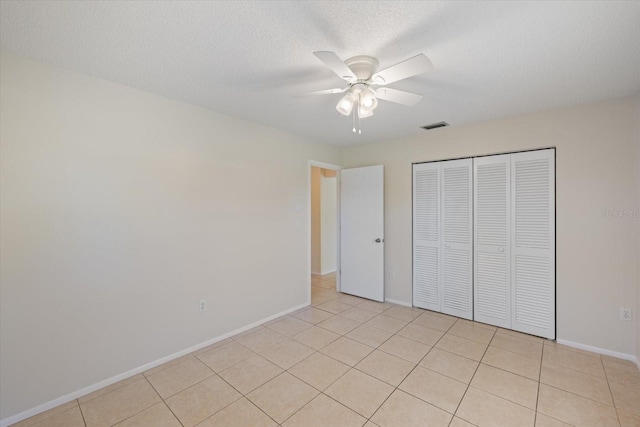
[316, 220]
[120, 211]
[596, 171]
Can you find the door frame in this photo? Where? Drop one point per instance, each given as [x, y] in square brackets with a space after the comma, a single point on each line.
[323, 165]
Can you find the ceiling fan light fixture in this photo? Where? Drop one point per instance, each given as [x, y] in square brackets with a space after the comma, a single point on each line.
[364, 112]
[368, 100]
[345, 105]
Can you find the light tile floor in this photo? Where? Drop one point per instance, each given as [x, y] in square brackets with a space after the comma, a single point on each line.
[347, 361]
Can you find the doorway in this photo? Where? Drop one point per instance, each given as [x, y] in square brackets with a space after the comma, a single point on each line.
[348, 255]
[324, 228]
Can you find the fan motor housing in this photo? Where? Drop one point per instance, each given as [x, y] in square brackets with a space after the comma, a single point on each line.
[363, 66]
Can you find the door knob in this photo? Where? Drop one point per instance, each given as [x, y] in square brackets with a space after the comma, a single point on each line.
[378, 240]
[500, 249]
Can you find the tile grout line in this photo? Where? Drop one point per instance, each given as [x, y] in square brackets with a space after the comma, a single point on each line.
[535, 414]
[300, 379]
[611, 392]
[165, 402]
[321, 392]
[132, 415]
[116, 389]
[579, 395]
[352, 410]
[172, 413]
[251, 401]
[217, 374]
[81, 413]
[474, 374]
[396, 388]
[229, 384]
[326, 355]
[511, 372]
[613, 400]
[416, 364]
[540, 383]
[578, 371]
[354, 367]
[110, 391]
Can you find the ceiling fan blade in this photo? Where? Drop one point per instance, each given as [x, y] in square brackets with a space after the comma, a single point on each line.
[336, 65]
[398, 96]
[402, 70]
[320, 92]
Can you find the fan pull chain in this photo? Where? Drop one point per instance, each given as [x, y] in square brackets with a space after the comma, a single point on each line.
[356, 129]
[354, 119]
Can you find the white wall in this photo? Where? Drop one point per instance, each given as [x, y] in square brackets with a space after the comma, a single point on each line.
[328, 228]
[119, 211]
[636, 314]
[596, 171]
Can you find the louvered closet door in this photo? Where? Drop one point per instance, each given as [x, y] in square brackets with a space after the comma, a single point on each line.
[456, 261]
[533, 242]
[492, 297]
[426, 236]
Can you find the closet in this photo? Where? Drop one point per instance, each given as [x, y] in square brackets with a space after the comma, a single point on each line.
[484, 239]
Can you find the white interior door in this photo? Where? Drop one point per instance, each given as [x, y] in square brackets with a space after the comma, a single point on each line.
[362, 232]
[426, 236]
[457, 238]
[492, 277]
[442, 237]
[533, 242]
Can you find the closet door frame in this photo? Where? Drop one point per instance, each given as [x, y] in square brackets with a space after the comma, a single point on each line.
[510, 321]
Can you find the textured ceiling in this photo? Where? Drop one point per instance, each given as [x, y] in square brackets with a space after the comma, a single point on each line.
[491, 59]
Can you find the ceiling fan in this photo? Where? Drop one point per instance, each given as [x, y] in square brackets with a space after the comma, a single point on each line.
[366, 85]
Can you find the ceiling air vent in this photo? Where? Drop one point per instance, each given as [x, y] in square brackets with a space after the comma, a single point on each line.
[435, 125]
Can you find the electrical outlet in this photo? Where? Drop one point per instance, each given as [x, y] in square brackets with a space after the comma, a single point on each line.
[625, 314]
[203, 305]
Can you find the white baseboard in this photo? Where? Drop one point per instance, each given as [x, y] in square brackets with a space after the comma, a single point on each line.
[315, 273]
[328, 272]
[395, 301]
[104, 383]
[599, 350]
